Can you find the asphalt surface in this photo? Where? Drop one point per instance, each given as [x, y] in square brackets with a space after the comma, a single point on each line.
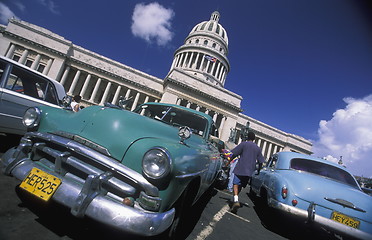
[22, 217]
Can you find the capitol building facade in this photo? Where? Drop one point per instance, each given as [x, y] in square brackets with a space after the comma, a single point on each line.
[195, 80]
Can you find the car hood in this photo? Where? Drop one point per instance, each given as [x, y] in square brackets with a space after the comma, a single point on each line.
[328, 193]
[114, 129]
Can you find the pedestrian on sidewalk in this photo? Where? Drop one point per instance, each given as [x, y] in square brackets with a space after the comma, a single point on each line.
[249, 154]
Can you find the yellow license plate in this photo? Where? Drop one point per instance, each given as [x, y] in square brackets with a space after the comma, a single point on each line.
[40, 184]
[341, 218]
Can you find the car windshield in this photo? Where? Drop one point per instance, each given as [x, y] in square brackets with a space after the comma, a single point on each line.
[176, 117]
[324, 170]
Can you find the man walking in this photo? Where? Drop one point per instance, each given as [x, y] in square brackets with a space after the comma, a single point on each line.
[249, 153]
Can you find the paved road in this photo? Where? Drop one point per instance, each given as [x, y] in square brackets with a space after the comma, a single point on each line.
[210, 219]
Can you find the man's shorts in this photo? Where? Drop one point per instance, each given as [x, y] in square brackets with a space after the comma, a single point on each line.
[241, 180]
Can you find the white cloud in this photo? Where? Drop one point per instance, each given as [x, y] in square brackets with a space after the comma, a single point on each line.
[52, 7]
[20, 6]
[152, 22]
[348, 134]
[5, 13]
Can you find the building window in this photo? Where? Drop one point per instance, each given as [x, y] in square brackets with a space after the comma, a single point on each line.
[205, 42]
[40, 68]
[16, 58]
[197, 41]
[214, 45]
[203, 26]
[28, 63]
[210, 27]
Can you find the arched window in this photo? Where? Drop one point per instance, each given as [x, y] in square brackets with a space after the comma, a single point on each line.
[210, 27]
[205, 42]
[197, 41]
[203, 26]
[218, 29]
[214, 45]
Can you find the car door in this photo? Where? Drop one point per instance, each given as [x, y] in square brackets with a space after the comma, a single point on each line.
[21, 88]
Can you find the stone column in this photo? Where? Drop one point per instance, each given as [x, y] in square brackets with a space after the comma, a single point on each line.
[47, 67]
[146, 99]
[215, 117]
[188, 104]
[197, 108]
[181, 60]
[216, 73]
[191, 57]
[105, 94]
[174, 62]
[178, 58]
[269, 150]
[74, 82]
[259, 142]
[222, 124]
[116, 96]
[178, 101]
[36, 62]
[64, 76]
[127, 94]
[195, 63]
[202, 62]
[264, 148]
[95, 90]
[23, 58]
[85, 86]
[134, 105]
[11, 51]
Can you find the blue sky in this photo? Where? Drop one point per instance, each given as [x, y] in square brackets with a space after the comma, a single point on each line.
[302, 66]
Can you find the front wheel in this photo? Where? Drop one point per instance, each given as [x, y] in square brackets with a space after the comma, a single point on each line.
[182, 207]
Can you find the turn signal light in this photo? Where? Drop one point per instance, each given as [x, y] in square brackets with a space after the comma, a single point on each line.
[294, 202]
[129, 201]
[284, 192]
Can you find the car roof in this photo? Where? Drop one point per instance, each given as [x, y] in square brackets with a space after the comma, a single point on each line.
[287, 156]
[58, 86]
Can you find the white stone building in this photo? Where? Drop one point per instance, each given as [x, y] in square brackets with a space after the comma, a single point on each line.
[196, 78]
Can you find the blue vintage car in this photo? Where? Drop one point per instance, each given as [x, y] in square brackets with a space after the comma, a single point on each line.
[135, 171]
[315, 191]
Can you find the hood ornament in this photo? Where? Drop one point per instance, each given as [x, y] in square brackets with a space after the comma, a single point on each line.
[184, 133]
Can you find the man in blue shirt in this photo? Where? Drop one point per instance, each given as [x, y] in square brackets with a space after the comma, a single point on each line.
[249, 153]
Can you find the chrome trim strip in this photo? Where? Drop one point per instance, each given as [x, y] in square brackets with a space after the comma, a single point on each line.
[191, 174]
[100, 158]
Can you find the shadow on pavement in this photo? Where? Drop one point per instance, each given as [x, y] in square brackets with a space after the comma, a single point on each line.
[286, 226]
[59, 220]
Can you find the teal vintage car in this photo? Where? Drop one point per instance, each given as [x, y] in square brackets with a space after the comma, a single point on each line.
[135, 171]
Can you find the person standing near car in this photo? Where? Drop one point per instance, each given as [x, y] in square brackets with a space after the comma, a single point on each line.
[75, 104]
[249, 154]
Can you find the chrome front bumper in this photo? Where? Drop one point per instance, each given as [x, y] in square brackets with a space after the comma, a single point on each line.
[88, 197]
[310, 216]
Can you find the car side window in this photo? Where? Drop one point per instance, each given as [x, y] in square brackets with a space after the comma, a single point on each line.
[30, 84]
[272, 162]
[2, 70]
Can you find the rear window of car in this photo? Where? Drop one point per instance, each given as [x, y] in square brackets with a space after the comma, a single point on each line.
[28, 83]
[323, 170]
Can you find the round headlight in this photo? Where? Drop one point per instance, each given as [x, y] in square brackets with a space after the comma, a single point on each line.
[156, 163]
[31, 118]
